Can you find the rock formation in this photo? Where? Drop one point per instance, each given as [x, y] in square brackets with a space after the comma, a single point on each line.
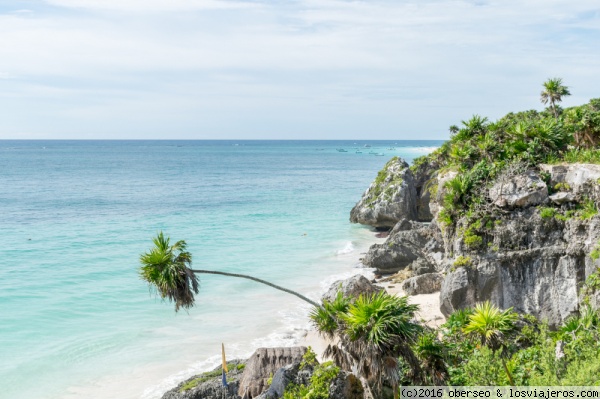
[263, 364]
[531, 252]
[389, 198]
[351, 287]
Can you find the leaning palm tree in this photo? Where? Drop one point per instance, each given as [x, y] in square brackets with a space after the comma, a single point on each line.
[168, 269]
[373, 333]
[491, 325]
[553, 93]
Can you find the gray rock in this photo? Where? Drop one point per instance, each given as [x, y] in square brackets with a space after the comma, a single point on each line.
[562, 197]
[425, 181]
[522, 190]
[436, 201]
[263, 364]
[351, 287]
[577, 176]
[534, 282]
[422, 266]
[424, 284]
[403, 247]
[391, 197]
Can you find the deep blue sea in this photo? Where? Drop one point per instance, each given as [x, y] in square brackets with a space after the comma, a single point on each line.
[75, 319]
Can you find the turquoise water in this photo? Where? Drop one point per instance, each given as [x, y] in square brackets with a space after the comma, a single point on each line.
[76, 321]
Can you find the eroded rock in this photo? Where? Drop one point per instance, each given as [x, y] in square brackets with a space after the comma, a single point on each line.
[263, 363]
[391, 197]
[522, 190]
[424, 284]
[352, 287]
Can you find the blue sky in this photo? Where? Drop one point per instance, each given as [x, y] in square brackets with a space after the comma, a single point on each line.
[327, 69]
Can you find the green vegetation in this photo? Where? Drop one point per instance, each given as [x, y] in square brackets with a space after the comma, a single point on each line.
[482, 151]
[562, 187]
[588, 209]
[375, 336]
[553, 93]
[548, 212]
[209, 375]
[520, 348]
[462, 261]
[595, 254]
[381, 187]
[322, 376]
[491, 326]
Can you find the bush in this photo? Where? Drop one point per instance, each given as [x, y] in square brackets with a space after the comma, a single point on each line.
[547, 213]
[463, 261]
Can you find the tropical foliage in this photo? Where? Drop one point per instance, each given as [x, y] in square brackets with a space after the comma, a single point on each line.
[375, 336]
[482, 151]
[553, 93]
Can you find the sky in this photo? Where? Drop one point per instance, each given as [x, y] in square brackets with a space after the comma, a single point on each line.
[284, 69]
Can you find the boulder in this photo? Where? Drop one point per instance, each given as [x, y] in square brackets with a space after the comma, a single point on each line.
[391, 197]
[522, 190]
[351, 287]
[562, 197]
[263, 363]
[403, 247]
[577, 176]
[424, 284]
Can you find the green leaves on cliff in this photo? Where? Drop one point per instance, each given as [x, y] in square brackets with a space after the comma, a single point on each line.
[480, 151]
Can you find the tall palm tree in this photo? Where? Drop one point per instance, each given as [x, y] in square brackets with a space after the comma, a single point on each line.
[491, 325]
[373, 333]
[553, 93]
[168, 268]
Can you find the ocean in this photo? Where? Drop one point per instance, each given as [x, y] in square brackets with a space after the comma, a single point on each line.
[75, 319]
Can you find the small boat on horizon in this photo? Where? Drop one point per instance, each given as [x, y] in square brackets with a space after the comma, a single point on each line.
[341, 150]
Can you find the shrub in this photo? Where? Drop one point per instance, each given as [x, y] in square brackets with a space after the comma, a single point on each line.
[588, 210]
[562, 187]
[547, 213]
[473, 241]
[463, 261]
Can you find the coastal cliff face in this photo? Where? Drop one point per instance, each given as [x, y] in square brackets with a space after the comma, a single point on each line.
[394, 195]
[531, 249]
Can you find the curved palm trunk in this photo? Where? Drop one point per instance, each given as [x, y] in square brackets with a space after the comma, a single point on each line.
[508, 374]
[258, 280]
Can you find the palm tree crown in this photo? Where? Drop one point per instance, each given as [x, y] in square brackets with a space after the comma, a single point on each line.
[553, 93]
[166, 267]
[373, 331]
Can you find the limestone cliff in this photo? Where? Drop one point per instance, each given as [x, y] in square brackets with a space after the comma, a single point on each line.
[530, 249]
